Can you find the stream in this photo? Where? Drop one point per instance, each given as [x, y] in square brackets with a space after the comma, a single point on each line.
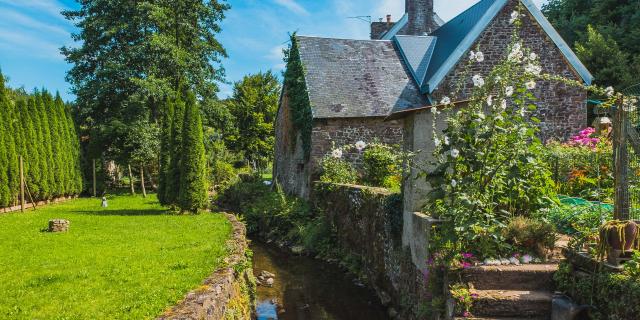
[309, 289]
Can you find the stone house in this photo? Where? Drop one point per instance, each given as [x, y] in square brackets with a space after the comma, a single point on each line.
[382, 89]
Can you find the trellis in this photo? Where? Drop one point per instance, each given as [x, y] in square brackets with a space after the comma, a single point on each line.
[626, 155]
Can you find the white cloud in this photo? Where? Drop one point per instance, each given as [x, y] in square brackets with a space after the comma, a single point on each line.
[293, 6]
[50, 7]
[29, 45]
[13, 18]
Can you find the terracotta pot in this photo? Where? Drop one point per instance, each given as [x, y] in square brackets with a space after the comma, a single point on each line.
[630, 234]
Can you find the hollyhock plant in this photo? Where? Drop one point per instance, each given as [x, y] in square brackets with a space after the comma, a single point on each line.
[585, 139]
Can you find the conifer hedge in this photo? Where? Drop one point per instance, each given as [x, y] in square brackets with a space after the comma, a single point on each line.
[38, 127]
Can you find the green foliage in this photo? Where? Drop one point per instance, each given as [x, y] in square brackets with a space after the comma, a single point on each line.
[605, 35]
[295, 88]
[576, 219]
[382, 166]
[581, 171]
[193, 170]
[165, 151]
[614, 296]
[531, 235]
[489, 164]
[41, 130]
[462, 296]
[172, 187]
[338, 170]
[151, 254]
[253, 106]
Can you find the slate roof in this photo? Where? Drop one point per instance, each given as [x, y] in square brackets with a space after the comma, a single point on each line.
[417, 51]
[356, 78]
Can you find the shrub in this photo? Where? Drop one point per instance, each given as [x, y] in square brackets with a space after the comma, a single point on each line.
[613, 295]
[531, 235]
[381, 166]
[338, 170]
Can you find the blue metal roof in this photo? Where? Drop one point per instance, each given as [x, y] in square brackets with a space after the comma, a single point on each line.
[416, 52]
[396, 28]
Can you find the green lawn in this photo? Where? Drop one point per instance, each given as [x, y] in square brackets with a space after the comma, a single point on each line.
[129, 261]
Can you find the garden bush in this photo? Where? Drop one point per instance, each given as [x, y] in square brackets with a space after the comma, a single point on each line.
[382, 167]
[337, 170]
[531, 235]
[613, 295]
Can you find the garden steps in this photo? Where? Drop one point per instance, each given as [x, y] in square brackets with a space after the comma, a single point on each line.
[523, 277]
[511, 303]
[511, 292]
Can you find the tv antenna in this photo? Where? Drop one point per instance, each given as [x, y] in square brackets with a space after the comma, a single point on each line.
[366, 19]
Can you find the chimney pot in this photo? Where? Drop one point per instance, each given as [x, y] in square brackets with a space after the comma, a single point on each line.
[388, 18]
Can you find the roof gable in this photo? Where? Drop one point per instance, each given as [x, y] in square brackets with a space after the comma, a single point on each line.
[417, 52]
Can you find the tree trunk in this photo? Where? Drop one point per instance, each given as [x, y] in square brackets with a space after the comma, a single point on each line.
[154, 186]
[133, 190]
[94, 178]
[144, 190]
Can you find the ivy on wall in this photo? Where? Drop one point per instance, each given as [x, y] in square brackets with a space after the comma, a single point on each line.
[296, 90]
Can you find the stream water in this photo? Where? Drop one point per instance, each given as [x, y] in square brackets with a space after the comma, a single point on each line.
[308, 289]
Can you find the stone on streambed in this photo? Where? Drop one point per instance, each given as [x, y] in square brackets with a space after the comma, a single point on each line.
[58, 225]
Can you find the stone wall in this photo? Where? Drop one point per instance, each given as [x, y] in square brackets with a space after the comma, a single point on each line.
[229, 293]
[561, 108]
[330, 133]
[369, 225]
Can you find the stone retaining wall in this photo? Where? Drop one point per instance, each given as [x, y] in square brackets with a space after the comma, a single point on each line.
[229, 293]
[368, 224]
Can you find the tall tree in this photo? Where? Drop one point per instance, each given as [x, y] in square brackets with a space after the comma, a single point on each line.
[140, 50]
[5, 194]
[172, 188]
[165, 151]
[615, 30]
[254, 105]
[193, 167]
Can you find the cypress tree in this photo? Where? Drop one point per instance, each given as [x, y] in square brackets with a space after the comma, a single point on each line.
[193, 181]
[172, 189]
[56, 146]
[41, 145]
[165, 151]
[11, 142]
[75, 173]
[44, 112]
[5, 195]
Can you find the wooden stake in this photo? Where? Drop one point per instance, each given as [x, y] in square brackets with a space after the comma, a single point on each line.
[133, 190]
[144, 190]
[621, 164]
[95, 192]
[21, 184]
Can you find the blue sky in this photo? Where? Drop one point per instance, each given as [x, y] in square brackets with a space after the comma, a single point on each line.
[254, 34]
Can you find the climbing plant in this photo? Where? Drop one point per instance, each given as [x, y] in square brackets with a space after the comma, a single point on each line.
[296, 90]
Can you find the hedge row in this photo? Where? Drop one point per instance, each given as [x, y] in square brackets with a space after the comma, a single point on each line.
[38, 127]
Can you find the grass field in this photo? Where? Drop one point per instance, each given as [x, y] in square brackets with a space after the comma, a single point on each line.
[131, 260]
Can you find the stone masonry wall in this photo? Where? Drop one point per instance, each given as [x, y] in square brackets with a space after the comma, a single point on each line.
[561, 108]
[368, 224]
[228, 293]
[334, 133]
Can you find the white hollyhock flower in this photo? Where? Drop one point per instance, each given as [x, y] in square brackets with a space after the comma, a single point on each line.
[609, 91]
[516, 53]
[454, 183]
[479, 56]
[503, 104]
[360, 145]
[336, 153]
[533, 56]
[490, 100]
[530, 85]
[472, 56]
[446, 140]
[508, 91]
[445, 100]
[434, 110]
[514, 16]
[437, 141]
[533, 69]
[455, 153]
[478, 81]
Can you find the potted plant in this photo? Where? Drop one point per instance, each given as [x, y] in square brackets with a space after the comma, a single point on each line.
[617, 238]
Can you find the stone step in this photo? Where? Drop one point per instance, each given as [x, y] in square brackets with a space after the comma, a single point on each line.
[511, 303]
[533, 277]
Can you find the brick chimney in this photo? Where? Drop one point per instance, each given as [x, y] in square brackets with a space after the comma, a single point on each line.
[420, 17]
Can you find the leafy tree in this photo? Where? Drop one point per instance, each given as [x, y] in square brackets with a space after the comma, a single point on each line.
[133, 56]
[254, 105]
[615, 30]
[5, 195]
[193, 177]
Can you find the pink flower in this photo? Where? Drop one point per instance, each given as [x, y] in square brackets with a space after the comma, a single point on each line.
[466, 314]
[467, 255]
[474, 295]
[466, 265]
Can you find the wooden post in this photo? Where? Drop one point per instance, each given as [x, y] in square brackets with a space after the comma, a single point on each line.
[144, 190]
[21, 184]
[621, 164]
[133, 190]
[95, 192]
